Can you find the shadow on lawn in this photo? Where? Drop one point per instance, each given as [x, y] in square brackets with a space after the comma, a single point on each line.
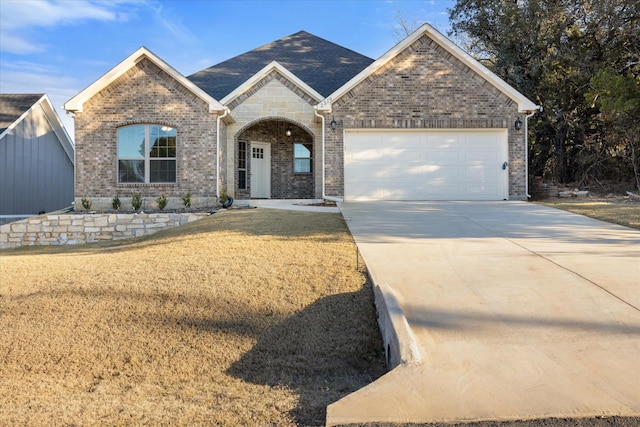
[323, 353]
[278, 224]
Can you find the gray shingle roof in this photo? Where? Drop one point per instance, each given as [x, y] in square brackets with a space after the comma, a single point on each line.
[323, 65]
[13, 105]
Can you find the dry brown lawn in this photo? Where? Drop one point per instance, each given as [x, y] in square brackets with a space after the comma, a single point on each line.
[247, 317]
[618, 210]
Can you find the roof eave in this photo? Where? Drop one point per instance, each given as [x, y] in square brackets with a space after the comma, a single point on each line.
[273, 65]
[75, 104]
[58, 128]
[54, 121]
[21, 117]
[524, 104]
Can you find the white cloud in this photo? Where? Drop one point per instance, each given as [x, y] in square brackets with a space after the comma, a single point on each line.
[50, 13]
[19, 19]
[170, 20]
[29, 77]
[22, 25]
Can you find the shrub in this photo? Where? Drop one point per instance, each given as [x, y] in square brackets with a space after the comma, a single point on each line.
[187, 200]
[136, 201]
[86, 203]
[222, 199]
[115, 203]
[162, 202]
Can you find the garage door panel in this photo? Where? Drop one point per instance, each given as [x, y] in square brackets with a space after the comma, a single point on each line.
[482, 156]
[451, 157]
[428, 165]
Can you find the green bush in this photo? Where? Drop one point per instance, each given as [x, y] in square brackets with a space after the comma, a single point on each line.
[187, 200]
[162, 202]
[115, 203]
[136, 201]
[86, 203]
[222, 199]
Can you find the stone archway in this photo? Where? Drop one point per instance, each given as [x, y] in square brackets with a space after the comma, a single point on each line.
[291, 173]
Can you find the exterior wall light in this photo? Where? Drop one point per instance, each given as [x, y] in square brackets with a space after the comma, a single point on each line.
[288, 131]
[518, 124]
[334, 125]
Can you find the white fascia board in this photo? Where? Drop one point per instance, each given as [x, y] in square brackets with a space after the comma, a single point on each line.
[54, 121]
[273, 65]
[75, 103]
[58, 127]
[524, 104]
[19, 119]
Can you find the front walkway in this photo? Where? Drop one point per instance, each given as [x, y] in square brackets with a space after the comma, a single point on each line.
[306, 205]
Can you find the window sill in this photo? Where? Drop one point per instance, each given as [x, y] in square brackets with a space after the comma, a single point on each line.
[159, 184]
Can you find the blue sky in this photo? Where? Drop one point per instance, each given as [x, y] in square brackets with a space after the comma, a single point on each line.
[59, 47]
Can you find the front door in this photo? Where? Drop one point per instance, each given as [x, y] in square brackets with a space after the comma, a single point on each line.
[260, 170]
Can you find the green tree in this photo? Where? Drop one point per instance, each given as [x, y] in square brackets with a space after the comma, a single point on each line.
[550, 50]
[618, 99]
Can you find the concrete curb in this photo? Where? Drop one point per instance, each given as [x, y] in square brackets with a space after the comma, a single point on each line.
[402, 354]
[400, 344]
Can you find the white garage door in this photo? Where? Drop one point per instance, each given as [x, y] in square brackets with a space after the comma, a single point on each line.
[425, 165]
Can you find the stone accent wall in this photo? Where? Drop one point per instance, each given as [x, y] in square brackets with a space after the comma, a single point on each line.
[285, 184]
[424, 87]
[286, 83]
[69, 229]
[144, 94]
[272, 100]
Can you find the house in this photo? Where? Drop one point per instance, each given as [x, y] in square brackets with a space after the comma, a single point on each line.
[302, 117]
[36, 157]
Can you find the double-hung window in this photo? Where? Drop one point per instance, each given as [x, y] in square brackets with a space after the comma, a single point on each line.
[302, 158]
[146, 154]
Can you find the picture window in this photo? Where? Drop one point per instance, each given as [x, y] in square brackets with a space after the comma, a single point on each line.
[147, 154]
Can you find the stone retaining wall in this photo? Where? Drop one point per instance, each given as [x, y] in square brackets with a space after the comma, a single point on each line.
[69, 229]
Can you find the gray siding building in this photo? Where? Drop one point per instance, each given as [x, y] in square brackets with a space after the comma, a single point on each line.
[36, 157]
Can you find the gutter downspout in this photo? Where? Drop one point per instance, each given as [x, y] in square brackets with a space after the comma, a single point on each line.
[324, 196]
[526, 150]
[218, 120]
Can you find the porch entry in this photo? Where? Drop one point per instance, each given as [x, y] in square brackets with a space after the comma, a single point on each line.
[260, 170]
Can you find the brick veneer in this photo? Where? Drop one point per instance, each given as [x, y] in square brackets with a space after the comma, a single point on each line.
[425, 87]
[285, 184]
[144, 94]
[261, 114]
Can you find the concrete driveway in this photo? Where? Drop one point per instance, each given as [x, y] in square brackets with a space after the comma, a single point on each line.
[498, 311]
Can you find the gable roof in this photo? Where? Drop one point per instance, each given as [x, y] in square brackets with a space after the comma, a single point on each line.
[322, 65]
[16, 107]
[13, 106]
[524, 104]
[75, 103]
[273, 66]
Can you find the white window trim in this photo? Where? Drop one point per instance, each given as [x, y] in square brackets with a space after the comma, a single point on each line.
[147, 157]
[310, 158]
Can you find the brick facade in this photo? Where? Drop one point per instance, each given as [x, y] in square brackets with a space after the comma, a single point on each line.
[145, 94]
[285, 184]
[423, 87]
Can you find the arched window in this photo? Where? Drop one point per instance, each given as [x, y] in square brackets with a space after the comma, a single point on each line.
[147, 154]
